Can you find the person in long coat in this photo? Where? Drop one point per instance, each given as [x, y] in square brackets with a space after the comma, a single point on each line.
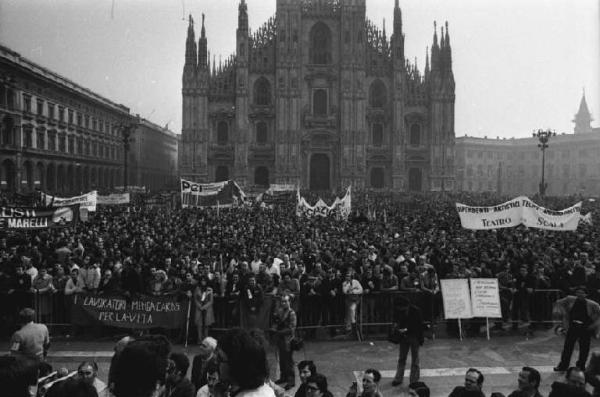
[204, 314]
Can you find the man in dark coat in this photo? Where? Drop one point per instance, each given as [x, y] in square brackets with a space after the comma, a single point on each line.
[409, 320]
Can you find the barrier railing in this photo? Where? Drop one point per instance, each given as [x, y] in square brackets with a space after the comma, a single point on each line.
[374, 310]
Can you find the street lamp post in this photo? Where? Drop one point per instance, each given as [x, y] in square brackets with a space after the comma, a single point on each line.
[126, 131]
[543, 136]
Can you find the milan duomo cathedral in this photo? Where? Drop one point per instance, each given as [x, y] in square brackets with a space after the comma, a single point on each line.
[321, 97]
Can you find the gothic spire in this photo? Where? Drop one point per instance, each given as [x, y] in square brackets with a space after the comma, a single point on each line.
[397, 20]
[190, 45]
[243, 17]
[435, 49]
[447, 50]
[202, 48]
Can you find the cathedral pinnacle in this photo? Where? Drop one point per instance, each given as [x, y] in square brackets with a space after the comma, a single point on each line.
[202, 47]
[190, 45]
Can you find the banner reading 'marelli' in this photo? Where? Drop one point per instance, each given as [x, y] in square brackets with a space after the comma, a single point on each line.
[20, 218]
[142, 312]
[520, 210]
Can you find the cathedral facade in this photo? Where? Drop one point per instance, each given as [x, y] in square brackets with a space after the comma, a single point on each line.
[321, 97]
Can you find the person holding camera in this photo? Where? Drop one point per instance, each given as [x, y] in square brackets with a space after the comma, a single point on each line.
[284, 332]
[409, 323]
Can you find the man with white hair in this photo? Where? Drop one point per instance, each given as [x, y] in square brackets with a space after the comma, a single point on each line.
[203, 360]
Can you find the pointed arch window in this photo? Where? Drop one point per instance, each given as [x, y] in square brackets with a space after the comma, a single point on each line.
[262, 92]
[320, 44]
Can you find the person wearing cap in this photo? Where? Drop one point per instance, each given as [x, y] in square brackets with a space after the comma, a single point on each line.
[580, 318]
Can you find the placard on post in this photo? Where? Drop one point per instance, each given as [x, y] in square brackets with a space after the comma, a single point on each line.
[456, 298]
[485, 298]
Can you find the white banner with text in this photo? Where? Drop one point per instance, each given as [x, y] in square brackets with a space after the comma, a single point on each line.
[87, 201]
[520, 210]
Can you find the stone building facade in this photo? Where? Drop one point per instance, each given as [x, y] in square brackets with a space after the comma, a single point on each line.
[513, 166]
[319, 96]
[60, 137]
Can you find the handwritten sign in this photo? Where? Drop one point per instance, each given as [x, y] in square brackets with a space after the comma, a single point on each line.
[456, 298]
[485, 297]
[142, 312]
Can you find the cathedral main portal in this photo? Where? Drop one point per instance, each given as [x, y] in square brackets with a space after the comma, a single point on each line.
[320, 172]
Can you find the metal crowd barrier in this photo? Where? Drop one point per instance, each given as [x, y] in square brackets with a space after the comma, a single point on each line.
[374, 312]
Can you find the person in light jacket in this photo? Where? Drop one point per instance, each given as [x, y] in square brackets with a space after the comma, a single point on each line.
[352, 289]
[203, 299]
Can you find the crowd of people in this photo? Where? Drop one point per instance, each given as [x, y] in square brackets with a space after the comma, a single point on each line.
[318, 271]
[237, 365]
[390, 243]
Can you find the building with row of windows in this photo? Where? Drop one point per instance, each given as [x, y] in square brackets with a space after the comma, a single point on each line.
[60, 137]
[513, 166]
[319, 96]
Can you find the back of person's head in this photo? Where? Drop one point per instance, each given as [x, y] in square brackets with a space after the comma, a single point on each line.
[420, 388]
[72, 387]
[246, 358]
[182, 363]
[26, 315]
[138, 370]
[376, 374]
[17, 375]
[320, 381]
[307, 363]
[534, 376]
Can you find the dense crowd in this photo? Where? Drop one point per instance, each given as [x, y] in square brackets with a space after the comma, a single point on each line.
[390, 243]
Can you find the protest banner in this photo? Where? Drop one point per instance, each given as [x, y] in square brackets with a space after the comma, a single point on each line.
[485, 298]
[139, 313]
[456, 298]
[340, 208]
[281, 187]
[132, 189]
[87, 201]
[219, 194]
[20, 218]
[114, 199]
[520, 210]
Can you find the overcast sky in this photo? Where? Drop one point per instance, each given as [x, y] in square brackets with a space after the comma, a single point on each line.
[519, 65]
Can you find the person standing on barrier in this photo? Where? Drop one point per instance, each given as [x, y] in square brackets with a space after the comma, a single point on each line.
[285, 328]
[352, 290]
[580, 317]
[204, 315]
[409, 320]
